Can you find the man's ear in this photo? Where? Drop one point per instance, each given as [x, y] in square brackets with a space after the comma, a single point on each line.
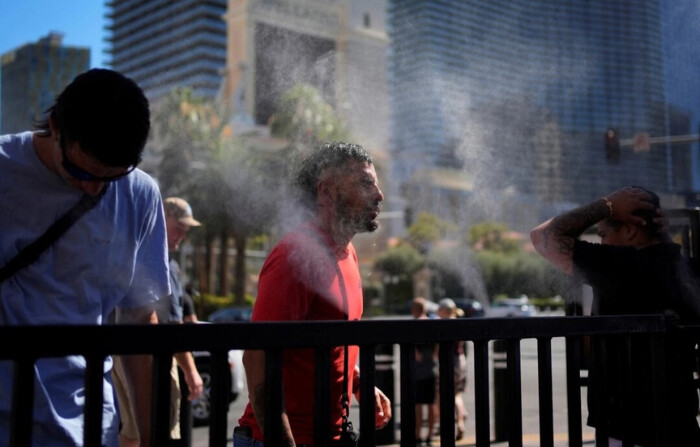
[324, 188]
[53, 128]
[629, 232]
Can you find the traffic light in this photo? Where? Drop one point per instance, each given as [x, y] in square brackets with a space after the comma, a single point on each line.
[612, 146]
[408, 216]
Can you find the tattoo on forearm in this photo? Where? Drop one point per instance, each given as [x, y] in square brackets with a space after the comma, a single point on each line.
[566, 247]
[575, 222]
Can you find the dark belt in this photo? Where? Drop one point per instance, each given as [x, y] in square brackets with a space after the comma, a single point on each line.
[243, 431]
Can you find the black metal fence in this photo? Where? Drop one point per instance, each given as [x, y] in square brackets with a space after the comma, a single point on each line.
[96, 342]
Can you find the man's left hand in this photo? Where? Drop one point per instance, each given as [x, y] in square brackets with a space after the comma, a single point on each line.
[382, 409]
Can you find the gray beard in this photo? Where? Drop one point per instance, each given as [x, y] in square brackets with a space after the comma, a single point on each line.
[356, 224]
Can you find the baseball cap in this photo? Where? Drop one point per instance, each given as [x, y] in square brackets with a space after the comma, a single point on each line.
[175, 206]
[447, 303]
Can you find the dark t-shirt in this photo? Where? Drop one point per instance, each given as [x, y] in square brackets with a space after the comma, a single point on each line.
[426, 362]
[169, 309]
[628, 281]
[187, 305]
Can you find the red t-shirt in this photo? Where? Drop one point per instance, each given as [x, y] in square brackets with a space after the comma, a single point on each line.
[299, 282]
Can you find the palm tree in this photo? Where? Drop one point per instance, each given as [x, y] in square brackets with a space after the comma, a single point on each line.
[219, 175]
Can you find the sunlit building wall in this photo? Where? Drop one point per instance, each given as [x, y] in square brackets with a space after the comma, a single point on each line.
[339, 47]
[211, 45]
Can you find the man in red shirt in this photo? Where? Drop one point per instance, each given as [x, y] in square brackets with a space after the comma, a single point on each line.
[313, 274]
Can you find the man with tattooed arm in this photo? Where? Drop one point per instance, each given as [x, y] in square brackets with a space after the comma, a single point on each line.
[635, 269]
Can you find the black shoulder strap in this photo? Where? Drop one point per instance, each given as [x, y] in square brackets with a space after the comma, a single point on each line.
[31, 252]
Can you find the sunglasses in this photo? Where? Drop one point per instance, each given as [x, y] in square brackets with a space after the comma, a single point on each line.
[83, 175]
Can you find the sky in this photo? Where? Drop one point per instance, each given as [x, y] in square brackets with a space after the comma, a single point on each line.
[81, 22]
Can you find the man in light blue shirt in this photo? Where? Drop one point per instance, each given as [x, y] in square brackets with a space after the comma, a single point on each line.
[113, 258]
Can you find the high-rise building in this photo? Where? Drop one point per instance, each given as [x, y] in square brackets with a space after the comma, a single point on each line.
[337, 46]
[32, 75]
[245, 53]
[679, 20]
[518, 96]
[162, 44]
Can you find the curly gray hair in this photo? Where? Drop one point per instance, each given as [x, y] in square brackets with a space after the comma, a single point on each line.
[329, 155]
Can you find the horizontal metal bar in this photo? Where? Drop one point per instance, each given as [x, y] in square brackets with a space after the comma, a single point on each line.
[164, 339]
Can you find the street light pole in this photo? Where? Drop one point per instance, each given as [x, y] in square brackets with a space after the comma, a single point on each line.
[642, 143]
[668, 139]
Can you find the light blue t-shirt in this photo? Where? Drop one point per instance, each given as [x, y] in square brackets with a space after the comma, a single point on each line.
[115, 255]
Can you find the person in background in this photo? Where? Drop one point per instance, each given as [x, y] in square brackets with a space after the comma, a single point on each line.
[178, 221]
[313, 274]
[189, 314]
[114, 257]
[426, 379]
[635, 269]
[448, 309]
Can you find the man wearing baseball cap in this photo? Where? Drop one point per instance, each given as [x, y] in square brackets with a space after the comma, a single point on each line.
[178, 221]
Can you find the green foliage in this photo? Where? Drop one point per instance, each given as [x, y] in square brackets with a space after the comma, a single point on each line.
[304, 118]
[206, 303]
[371, 291]
[490, 236]
[426, 230]
[259, 242]
[231, 185]
[186, 134]
[189, 137]
[402, 260]
[512, 274]
[398, 264]
[452, 270]
[548, 303]
[398, 295]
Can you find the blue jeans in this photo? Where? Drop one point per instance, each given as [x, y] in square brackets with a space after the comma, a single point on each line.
[242, 438]
[244, 441]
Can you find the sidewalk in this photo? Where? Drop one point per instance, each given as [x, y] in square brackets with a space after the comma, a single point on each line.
[529, 440]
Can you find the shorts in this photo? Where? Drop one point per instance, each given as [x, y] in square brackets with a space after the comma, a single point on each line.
[460, 374]
[128, 427]
[425, 390]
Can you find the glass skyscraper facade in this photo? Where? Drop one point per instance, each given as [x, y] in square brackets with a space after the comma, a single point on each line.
[32, 76]
[163, 44]
[680, 29]
[518, 95]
